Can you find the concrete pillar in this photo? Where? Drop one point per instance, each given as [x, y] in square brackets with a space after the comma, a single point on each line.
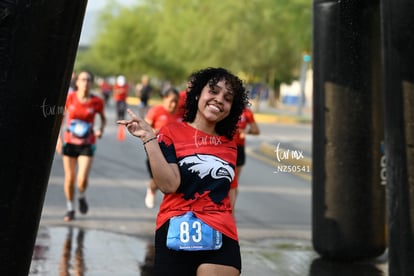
[348, 216]
[398, 54]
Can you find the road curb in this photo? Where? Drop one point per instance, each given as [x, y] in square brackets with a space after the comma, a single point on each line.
[280, 119]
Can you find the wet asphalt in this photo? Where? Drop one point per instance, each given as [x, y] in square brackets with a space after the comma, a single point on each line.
[77, 251]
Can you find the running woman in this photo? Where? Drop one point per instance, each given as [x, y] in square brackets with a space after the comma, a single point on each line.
[79, 138]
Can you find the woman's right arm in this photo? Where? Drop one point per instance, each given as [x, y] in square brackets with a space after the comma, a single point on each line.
[166, 175]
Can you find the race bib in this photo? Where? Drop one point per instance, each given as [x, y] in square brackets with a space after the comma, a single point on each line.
[189, 233]
[79, 128]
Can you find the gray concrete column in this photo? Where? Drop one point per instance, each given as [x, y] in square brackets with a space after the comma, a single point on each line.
[348, 216]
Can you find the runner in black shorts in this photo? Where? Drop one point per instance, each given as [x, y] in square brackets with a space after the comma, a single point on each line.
[77, 140]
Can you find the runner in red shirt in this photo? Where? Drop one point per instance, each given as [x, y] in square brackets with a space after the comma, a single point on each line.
[106, 89]
[159, 116]
[182, 99]
[182, 96]
[79, 140]
[194, 164]
[120, 91]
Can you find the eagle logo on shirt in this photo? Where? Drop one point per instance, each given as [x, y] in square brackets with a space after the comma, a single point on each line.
[206, 173]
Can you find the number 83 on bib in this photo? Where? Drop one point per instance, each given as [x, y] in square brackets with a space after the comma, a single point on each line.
[189, 233]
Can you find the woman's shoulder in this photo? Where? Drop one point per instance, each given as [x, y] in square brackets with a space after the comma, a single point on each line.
[71, 98]
[71, 94]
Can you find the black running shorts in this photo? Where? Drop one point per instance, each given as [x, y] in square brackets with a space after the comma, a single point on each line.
[76, 150]
[241, 155]
[185, 263]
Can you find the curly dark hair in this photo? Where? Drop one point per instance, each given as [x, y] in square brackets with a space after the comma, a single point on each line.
[211, 76]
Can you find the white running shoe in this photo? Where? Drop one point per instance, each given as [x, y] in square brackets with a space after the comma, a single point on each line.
[149, 199]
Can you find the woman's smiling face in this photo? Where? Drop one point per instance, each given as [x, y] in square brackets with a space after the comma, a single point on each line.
[215, 102]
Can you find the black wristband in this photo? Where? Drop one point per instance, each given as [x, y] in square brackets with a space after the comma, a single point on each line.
[149, 140]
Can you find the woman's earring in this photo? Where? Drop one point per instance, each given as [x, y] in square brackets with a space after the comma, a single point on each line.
[196, 98]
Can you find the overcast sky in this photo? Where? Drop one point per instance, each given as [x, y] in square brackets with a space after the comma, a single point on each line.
[91, 15]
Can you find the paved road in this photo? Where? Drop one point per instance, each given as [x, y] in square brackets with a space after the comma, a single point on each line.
[119, 177]
[115, 237]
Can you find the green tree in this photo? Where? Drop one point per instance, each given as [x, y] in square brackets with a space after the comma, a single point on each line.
[171, 38]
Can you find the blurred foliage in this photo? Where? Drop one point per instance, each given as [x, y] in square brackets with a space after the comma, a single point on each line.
[263, 40]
